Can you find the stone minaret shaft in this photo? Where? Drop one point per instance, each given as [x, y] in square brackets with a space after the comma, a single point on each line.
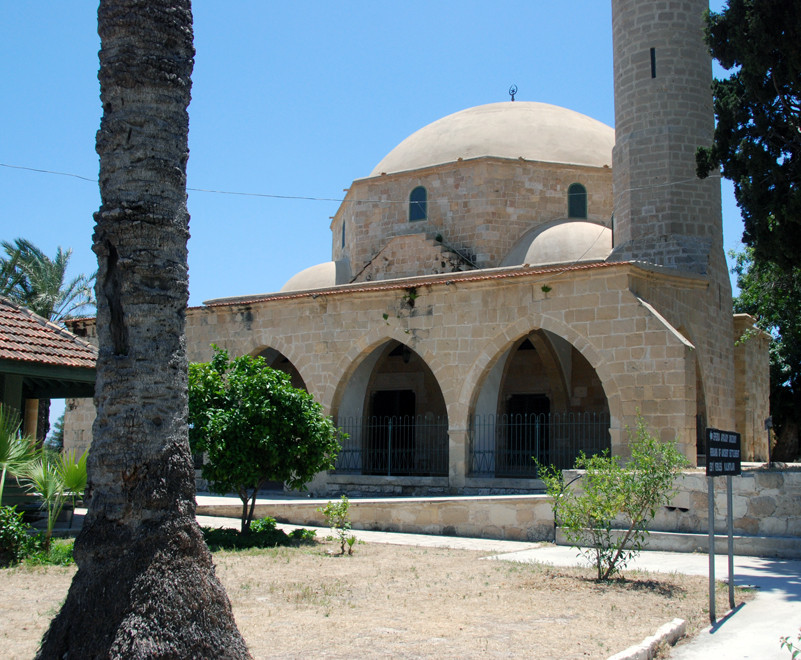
[663, 112]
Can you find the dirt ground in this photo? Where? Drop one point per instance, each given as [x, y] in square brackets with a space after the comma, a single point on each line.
[402, 602]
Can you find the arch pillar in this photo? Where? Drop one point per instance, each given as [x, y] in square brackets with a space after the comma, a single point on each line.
[458, 457]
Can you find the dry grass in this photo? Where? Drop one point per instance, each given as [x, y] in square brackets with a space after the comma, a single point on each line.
[398, 601]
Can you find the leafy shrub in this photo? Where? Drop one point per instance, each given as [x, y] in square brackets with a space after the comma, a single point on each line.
[787, 643]
[266, 524]
[611, 491]
[15, 539]
[263, 534]
[337, 516]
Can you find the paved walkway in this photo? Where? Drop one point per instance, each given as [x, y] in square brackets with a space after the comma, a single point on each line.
[751, 631]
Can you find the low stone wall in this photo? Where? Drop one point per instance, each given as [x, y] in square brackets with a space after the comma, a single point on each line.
[513, 517]
[765, 502]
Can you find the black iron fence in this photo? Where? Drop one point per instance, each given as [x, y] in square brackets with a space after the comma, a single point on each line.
[394, 446]
[506, 445]
[500, 445]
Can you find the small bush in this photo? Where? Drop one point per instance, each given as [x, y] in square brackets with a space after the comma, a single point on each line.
[263, 525]
[612, 492]
[16, 543]
[337, 515]
[263, 534]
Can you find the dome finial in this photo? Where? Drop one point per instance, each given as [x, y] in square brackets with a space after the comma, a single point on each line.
[513, 91]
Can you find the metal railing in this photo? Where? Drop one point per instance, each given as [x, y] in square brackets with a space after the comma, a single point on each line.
[506, 445]
[394, 446]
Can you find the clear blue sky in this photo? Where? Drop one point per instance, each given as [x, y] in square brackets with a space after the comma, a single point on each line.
[289, 98]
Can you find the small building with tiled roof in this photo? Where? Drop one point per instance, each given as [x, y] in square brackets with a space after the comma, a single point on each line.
[40, 360]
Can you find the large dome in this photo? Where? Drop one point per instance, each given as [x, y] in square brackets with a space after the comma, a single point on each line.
[534, 131]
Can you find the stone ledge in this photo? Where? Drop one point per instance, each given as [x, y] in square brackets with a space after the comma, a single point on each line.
[670, 633]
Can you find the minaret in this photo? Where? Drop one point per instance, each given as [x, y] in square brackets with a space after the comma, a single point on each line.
[664, 214]
[663, 112]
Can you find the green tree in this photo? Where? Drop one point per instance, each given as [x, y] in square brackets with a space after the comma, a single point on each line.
[40, 283]
[606, 516]
[254, 427]
[145, 585]
[772, 295]
[757, 142]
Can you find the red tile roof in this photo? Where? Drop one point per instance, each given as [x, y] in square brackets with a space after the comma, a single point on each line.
[27, 337]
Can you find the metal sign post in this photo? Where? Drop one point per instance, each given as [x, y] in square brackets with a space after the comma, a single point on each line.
[722, 459]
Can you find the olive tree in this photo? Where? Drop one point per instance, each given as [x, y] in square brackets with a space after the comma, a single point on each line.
[253, 427]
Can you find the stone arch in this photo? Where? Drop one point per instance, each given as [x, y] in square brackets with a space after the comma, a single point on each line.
[366, 344]
[391, 406]
[701, 414]
[279, 348]
[275, 359]
[524, 403]
[503, 340]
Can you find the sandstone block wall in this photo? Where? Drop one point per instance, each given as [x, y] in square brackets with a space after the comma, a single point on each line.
[765, 503]
[481, 207]
[462, 327]
[752, 387]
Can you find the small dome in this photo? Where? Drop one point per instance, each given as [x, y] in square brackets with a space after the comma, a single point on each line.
[570, 242]
[320, 276]
[534, 131]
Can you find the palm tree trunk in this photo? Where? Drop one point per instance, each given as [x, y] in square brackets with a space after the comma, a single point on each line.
[146, 585]
[43, 424]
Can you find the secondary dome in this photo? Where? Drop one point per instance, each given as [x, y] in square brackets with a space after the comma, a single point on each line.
[534, 131]
[570, 242]
[320, 276]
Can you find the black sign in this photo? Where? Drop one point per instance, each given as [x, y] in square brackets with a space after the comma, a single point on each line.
[722, 453]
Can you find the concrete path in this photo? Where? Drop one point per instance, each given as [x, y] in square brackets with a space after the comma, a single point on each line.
[751, 631]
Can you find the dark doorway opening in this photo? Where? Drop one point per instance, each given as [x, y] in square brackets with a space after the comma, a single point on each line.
[391, 433]
[527, 434]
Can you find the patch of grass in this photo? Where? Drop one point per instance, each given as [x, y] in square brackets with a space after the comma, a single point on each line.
[59, 554]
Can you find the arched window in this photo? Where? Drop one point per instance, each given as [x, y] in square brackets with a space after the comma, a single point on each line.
[576, 201]
[418, 204]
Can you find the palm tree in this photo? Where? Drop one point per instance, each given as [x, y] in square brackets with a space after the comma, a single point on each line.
[40, 283]
[145, 585]
[9, 273]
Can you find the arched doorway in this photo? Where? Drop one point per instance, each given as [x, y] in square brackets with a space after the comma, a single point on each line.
[278, 361]
[541, 402]
[394, 414]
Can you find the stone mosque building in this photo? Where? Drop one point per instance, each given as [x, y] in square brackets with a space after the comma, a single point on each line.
[518, 280]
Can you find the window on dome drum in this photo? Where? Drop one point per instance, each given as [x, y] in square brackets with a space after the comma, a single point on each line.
[418, 204]
[576, 201]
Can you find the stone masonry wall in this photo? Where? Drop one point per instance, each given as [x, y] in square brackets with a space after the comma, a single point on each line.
[481, 207]
[461, 328]
[752, 387]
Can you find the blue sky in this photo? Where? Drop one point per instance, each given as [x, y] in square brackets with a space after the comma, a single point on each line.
[290, 99]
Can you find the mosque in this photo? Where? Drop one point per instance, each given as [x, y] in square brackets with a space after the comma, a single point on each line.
[518, 281]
